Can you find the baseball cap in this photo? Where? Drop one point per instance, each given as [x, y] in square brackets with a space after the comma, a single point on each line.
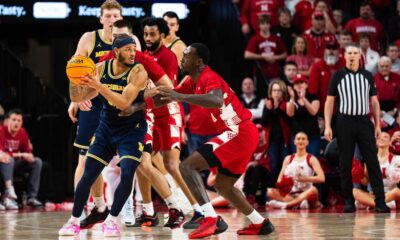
[299, 78]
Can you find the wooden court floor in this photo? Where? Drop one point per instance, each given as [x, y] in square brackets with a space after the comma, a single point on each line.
[290, 224]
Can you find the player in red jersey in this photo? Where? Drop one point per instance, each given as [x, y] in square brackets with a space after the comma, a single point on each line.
[230, 151]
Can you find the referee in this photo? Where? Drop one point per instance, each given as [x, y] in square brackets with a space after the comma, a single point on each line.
[354, 89]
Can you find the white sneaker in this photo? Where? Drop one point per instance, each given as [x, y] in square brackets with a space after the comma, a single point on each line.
[128, 218]
[277, 204]
[110, 229]
[360, 205]
[304, 204]
[391, 204]
[10, 204]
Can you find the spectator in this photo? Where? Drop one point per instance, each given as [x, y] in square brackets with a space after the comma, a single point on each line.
[250, 100]
[303, 169]
[285, 30]
[300, 56]
[393, 53]
[370, 57]
[253, 9]
[394, 24]
[289, 71]
[322, 70]
[303, 108]
[317, 37]
[303, 12]
[257, 173]
[276, 123]
[14, 141]
[367, 24]
[387, 163]
[344, 39]
[267, 48]
[338, 18]
[306, 8]
[330, 23]
[388, 87]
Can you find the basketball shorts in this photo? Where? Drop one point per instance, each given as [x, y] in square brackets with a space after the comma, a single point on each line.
[231, 150]
[108, 141]
[167, 134]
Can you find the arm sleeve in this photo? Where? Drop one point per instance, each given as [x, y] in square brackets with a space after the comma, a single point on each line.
[245, 12]
[257, 112]
[332, 90]
[252, 46]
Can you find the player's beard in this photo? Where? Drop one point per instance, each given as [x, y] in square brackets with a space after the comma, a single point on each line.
[154, 45]
[122, 60]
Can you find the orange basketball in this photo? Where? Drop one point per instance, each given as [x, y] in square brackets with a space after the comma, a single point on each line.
[78, 66]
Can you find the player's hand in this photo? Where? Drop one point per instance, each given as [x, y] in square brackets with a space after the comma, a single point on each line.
[328, 134]
[91, 81]
[132, 109]
[72, 111]
[168, 94]
[151, 92]
[85, 105]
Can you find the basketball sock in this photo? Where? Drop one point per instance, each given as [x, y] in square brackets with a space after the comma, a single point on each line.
[171, 202]
[255, 217]
[209, 210]
[100, 203]
[74, 220]
[196, 207]
[170, 180]
[148, 208]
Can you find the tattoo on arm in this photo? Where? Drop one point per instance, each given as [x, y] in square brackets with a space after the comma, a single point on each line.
[79, 93]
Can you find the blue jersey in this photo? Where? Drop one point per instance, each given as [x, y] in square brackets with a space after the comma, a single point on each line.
[100, 47]
[109, 113]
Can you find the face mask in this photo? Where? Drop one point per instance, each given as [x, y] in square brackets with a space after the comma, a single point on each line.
[330, 59]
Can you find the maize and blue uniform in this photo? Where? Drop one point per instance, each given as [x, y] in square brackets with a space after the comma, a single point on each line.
[88, 120]
[122, 135]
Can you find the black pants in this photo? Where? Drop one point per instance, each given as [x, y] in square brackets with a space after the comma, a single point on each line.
[360, 130]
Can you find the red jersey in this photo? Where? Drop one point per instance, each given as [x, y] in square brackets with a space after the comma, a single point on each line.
[273, 45]
[371, 26]
[303, 11]
[154, 71]
[253, 9]
[388, 91]
[320, 76]
[167, 60]
[316, 42]
[232, 112]
[303, 62]
[13, 144]
[199, 122]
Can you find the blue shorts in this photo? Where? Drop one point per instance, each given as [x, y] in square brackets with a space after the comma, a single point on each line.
[127, 142]
[87, 125]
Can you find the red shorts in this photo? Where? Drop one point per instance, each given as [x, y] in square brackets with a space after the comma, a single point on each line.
[232, 150]
[167, 133]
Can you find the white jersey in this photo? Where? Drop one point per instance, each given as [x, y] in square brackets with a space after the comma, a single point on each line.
[299, 168]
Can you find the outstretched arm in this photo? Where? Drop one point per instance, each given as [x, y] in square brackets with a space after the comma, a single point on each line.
[212, 99]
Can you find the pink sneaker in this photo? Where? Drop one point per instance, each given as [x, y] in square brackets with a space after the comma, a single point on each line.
[110, 229]
[69, 229]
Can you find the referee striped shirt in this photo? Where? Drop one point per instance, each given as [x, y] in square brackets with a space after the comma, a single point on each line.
[352, 91]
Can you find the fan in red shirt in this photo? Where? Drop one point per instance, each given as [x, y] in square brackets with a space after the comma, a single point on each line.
[229, 152]
[317, 36]
[16, 152]
[367, 24]
[321, 72]
[253, 9]
[267, 48]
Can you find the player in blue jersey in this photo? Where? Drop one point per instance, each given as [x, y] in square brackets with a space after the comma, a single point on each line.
[120, 83]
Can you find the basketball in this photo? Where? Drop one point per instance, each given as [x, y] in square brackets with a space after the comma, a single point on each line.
[78, 66]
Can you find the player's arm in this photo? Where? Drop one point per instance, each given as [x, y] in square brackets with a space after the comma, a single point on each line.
[212, 99]
[79, 93]
[137, 82]
[85, 44]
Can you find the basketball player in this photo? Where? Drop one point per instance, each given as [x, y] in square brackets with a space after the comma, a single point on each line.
[167, 119]
[146, 169]
[93, 44]
[172, 41]
[305, 170]
[229, 152]
[120, 82]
